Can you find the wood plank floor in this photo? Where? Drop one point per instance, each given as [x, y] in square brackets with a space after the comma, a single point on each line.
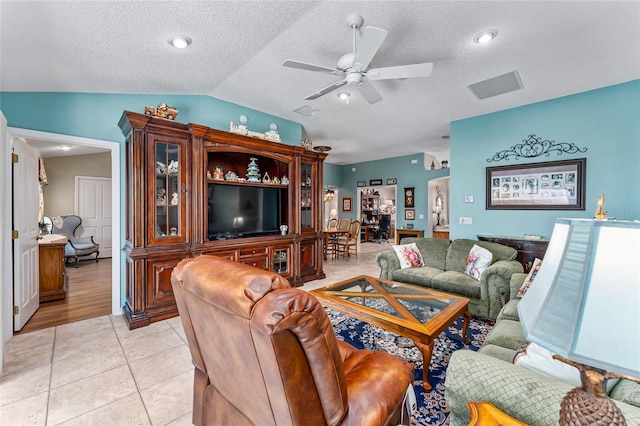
[88, 296]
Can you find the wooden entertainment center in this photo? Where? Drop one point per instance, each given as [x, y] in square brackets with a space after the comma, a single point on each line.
[187, 195]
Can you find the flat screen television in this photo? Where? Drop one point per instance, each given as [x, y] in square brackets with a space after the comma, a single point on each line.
[237, 211]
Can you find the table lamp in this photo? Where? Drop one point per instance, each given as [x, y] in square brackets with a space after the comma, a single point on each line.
[438, 211]
[583, 305]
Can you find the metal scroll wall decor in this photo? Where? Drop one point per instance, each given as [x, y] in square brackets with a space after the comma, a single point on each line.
[534, 147]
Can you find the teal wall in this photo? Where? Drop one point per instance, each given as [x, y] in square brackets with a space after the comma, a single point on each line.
[96, 115]
[408, 170]
[606, 121]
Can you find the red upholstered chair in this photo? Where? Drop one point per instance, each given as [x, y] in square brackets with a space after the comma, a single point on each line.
[266, 354]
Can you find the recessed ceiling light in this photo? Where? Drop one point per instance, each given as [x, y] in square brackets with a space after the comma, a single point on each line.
[485, 36]
[180, 42]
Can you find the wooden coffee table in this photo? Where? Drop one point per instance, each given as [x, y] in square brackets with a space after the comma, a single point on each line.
[415, 312]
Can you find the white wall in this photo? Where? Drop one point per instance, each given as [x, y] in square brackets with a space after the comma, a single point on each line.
[6, 323]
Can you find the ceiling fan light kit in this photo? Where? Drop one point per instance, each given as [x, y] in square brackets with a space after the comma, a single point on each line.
[355, 67]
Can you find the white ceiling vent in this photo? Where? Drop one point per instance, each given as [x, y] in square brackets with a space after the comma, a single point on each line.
[497, 85]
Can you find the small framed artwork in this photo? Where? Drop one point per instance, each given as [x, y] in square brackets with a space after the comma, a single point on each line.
[362, 183]
[375, 182]
[346, 204]
[551, 185]
[409, 225]
[409, 197]
[409, 214]
[392, 181]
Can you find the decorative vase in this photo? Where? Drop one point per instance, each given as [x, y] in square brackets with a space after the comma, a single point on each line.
[253, 173]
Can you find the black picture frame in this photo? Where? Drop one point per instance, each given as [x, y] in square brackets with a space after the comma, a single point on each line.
[409, 214]
[409, 197]
[375, 182]
[392, 181]
[550, 185]
[409, 226]
[361, 183]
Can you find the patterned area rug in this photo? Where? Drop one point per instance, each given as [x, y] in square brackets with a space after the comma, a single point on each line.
[432, 408]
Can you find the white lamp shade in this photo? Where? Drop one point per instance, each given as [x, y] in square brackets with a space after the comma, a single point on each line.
[584, 303]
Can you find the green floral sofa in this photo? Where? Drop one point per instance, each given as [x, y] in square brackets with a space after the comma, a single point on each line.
[490, 375]
[444, 267]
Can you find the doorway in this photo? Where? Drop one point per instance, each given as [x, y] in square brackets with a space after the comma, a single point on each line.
[373, 202]
[115, 149]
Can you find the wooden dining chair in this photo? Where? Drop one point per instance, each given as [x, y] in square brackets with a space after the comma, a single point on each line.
[349, 241]
[330, 248]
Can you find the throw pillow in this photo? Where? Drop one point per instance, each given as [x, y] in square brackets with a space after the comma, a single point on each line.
[539, 359]
[409, 255]
[478, 260]
[535, 267]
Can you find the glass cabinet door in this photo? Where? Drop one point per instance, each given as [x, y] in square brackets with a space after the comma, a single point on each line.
[168, 189]
[306, 196]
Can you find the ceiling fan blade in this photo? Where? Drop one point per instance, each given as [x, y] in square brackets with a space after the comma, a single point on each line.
[370, 42]
[402, 71]
[310, 67]
[326, 90]
[369, 92]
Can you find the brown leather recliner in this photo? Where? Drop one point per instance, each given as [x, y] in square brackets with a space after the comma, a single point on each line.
[266, 354]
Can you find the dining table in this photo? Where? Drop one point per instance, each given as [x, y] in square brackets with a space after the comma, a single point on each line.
[328, 233]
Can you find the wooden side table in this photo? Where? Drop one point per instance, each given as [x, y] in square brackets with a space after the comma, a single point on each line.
[402, 233]
[487, 414]
[528, 250]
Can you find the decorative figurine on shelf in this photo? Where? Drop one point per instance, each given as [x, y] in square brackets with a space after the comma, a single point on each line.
[444, 164]
[253, 173]
[162, 110]
[209, 177]
[433, 165]
[306, 144]
[161, 196]
[284, 229]
[161, 168]
[600, 213]
[231, 176]
[275, 180]
[174, 199]
[173, 231]
[266, 178]
[284, 180]
[173, 167]
[217, 173]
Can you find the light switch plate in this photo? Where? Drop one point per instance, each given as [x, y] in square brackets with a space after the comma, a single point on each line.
[468, 198]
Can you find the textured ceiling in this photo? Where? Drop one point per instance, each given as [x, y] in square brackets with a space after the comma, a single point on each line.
[559, 48]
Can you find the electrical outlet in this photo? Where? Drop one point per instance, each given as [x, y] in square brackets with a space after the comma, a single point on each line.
[468, 198]
[465, 221]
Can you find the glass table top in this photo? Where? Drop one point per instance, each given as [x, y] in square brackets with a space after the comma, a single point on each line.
[379, 295]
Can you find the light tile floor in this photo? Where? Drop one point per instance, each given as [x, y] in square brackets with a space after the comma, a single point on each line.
[98, 372]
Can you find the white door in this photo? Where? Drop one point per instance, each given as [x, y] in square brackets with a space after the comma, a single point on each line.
[93, 205]
[26, 290]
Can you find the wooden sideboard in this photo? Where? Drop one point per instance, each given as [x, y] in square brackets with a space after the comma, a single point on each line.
[403, 233]
[528, 250]
[444, 235]
[53, 277]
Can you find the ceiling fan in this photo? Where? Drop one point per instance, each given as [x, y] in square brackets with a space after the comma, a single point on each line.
[355, 67]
